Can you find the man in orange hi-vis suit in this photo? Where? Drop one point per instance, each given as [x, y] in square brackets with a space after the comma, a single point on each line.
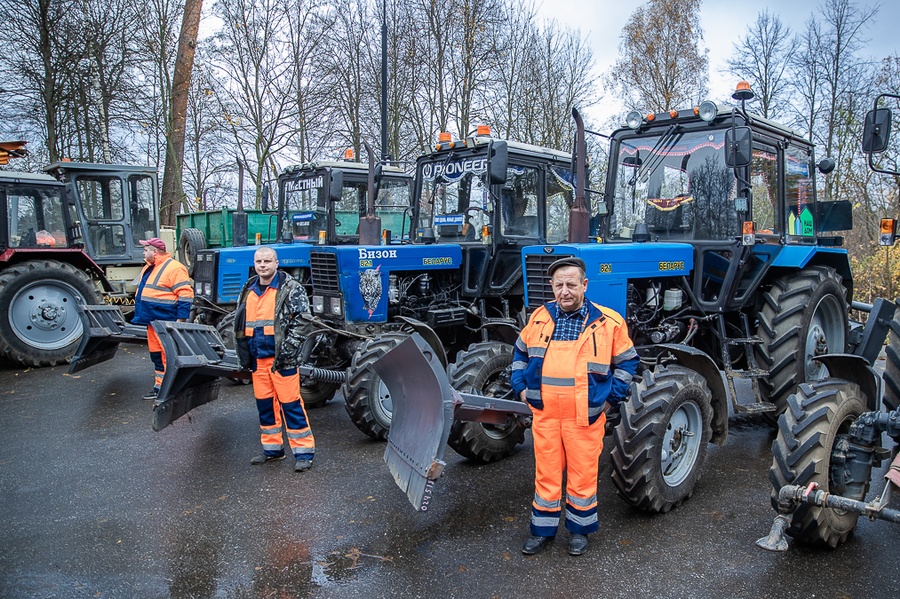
[572, 360]
[164, 293]
[269, 333]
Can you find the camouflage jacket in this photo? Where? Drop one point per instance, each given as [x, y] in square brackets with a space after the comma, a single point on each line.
[290, 329]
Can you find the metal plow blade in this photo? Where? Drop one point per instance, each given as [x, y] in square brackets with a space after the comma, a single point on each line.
[195, 359]
[423, 403]
[104, 328]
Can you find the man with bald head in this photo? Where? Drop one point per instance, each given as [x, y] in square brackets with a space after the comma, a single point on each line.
[269, 332]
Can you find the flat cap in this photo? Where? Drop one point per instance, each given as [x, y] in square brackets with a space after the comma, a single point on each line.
[155, 242]
[567, 261]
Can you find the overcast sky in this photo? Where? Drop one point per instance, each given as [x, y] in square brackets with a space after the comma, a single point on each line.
[723, 22]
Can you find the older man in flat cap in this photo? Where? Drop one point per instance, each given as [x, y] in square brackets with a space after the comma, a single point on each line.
[164, 293]
[571, 362]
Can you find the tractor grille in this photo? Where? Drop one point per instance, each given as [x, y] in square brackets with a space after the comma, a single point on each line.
[539, 290]
[324, 272]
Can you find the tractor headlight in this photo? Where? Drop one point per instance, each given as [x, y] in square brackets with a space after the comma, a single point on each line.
[318, 304]
[634, 119]
[336, 307]
[708, 111]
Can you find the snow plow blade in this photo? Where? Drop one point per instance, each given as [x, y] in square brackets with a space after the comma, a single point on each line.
[104, 328]
[423, 403]
[196, 359]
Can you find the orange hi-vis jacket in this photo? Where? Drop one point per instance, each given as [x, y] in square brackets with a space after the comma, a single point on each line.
[165, 292]
[604, 360]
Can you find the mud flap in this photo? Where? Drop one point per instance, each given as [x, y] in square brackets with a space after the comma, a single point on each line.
[423, 404]
[104, 328]
[196, 358]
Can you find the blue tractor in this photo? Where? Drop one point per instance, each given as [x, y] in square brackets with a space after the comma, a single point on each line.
[713, 244]
[458, 282]
[319, 203]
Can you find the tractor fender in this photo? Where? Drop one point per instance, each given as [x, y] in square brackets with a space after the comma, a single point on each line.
[855, 369]
[428, 335]
[700, 362]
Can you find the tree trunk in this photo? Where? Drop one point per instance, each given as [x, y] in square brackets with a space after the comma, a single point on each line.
[181, 82]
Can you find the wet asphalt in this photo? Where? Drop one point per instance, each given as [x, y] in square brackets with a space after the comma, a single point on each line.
[95, 504]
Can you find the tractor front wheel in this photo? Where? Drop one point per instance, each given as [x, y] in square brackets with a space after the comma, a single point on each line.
[484, 369]
[660, 444]
[366, 397]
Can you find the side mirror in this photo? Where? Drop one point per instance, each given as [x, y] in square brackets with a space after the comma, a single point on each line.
[738, 147]
[876, 131]
[265, 197]
[498, 160]
[632, 161]
[336, 190]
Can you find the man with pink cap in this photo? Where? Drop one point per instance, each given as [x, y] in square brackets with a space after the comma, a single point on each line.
[164, 293]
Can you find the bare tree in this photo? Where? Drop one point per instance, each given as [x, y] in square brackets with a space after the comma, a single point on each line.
[172, 192]
[661, 64]
[762, 57]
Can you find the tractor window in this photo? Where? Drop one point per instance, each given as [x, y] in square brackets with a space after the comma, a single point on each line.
[143, 208]
[764, 183]
[392, 205]
[519, 202]
[798, 195]
[560, 197]
[35, 217]
[454, 199]
[677, 183]
[352, 206]
[101, 197]
[305, 198]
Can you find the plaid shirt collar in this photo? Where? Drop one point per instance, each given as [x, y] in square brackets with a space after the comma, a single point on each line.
[569, 324]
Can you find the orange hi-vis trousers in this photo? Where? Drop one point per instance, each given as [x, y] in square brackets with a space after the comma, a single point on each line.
[157, 356]
[561, 445]
[280, 408]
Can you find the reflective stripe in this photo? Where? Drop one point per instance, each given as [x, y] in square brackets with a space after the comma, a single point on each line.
[272, 447]
[299, 435]
[595, 411]
[622, 375]
[537, 351]
[252, 324]
[158, 300]
[520, 345]
[546, 505]
[534, 394]
[270, 430]
[581, 501]
[305, 451]
[159, 274]
[182, 284]
[558, 382]
[519, 365]
[597, 368]
[581, 520]
[548, 521]
[628, 354]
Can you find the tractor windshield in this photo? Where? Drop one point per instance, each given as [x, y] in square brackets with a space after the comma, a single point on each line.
[455, 201]
[36, 217]
[677, 183]
[305, 201]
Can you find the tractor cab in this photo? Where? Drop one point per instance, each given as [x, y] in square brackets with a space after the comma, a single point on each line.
[323, 202]
[493, 198]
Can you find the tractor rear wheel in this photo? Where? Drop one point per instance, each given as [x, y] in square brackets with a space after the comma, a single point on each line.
[815, 419]
[892, 366]
[660, 444]
[804, 315]
[366, 397]
[191, 241]
[39, 321]
[484, 369]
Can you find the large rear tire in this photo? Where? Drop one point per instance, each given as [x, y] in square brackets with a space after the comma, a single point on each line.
[484, 369]
[804, 315]
[660, 444]
[39, 323]
[891, 397]
[815, 418]
[191, 241]
[366, 397]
